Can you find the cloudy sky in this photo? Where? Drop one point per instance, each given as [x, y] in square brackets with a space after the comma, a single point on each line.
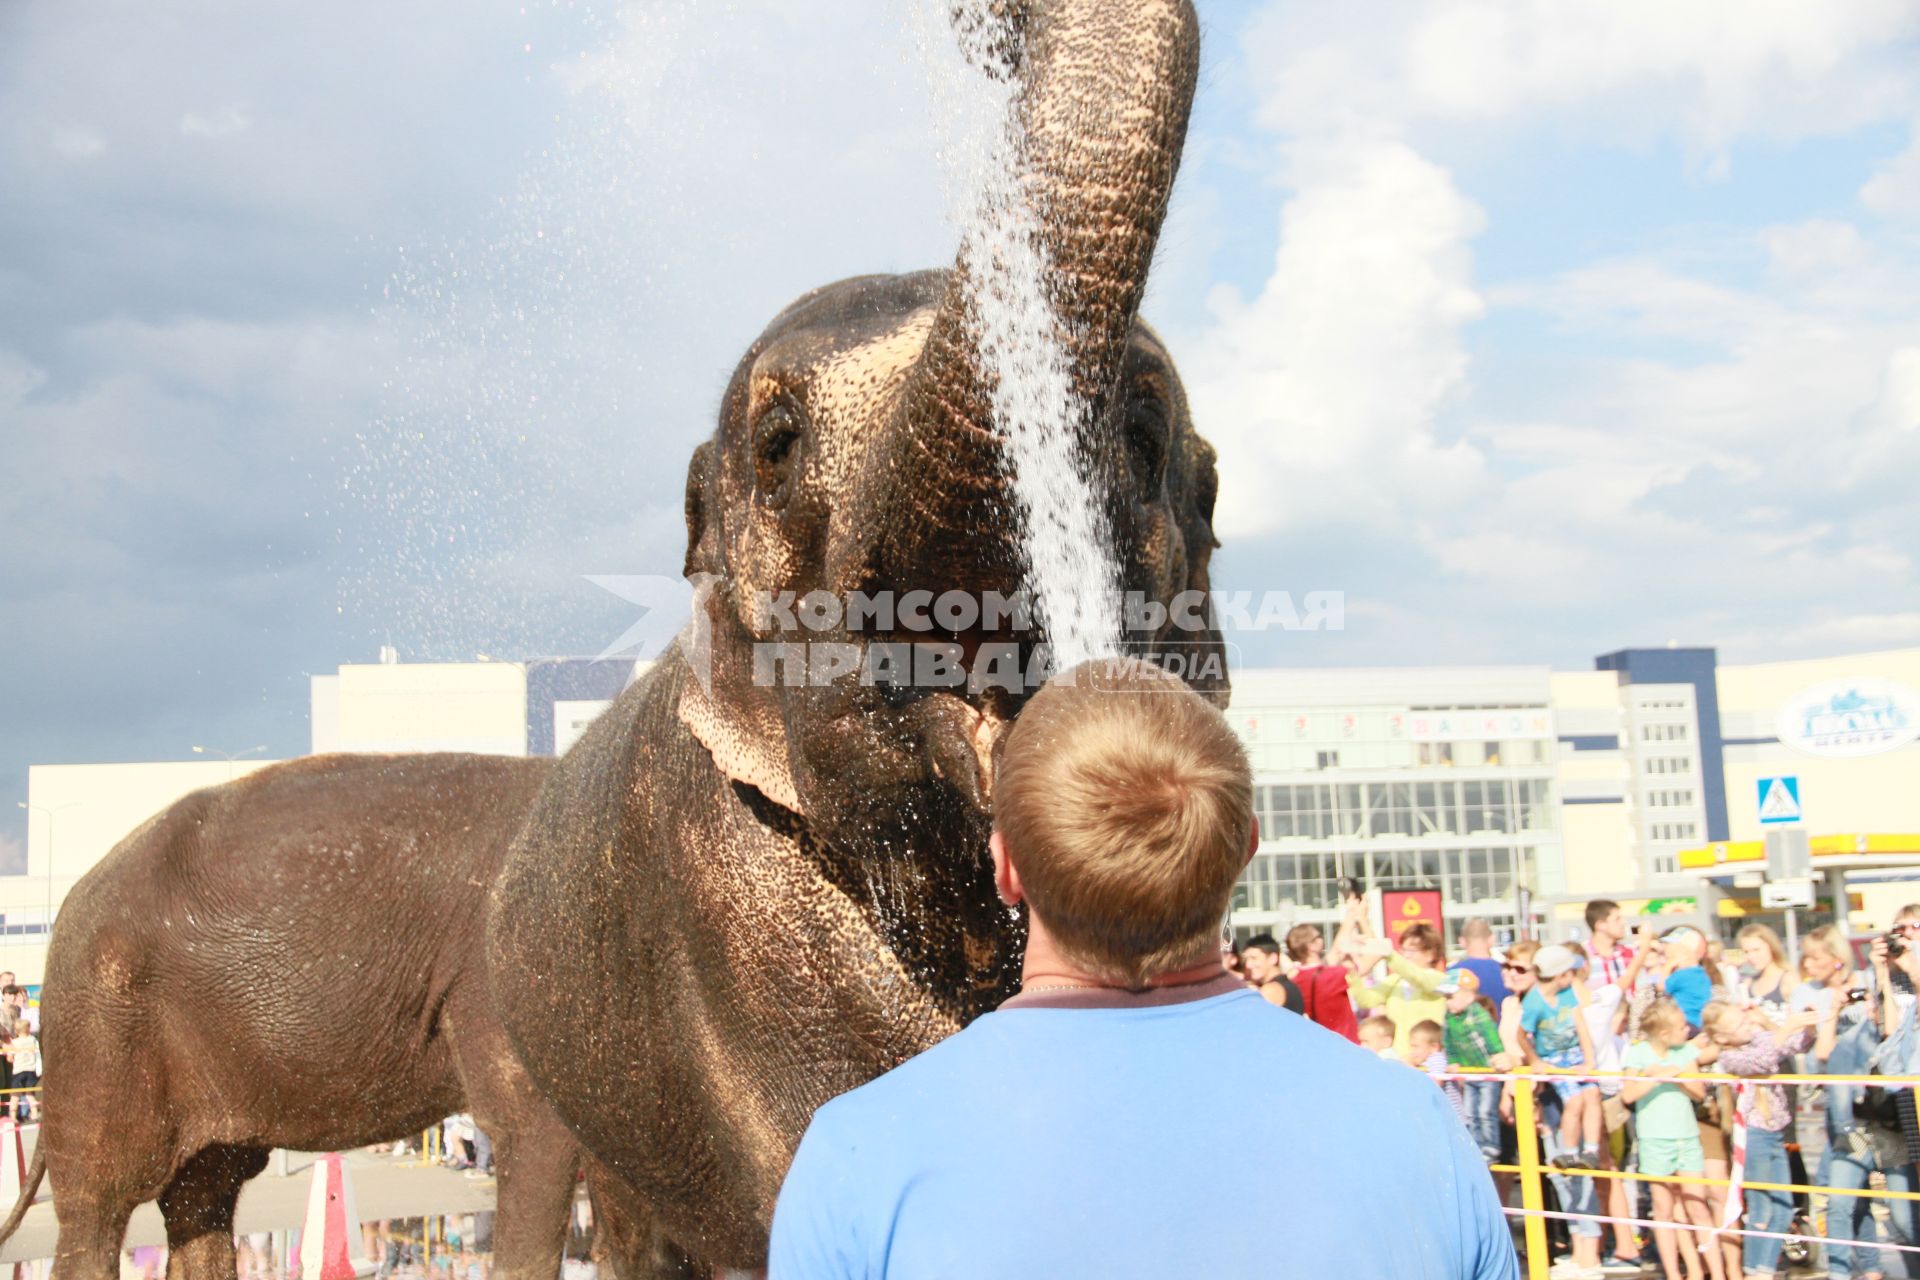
[1539, 329]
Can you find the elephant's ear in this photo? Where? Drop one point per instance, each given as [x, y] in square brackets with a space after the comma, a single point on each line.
[703, 535]
[737, 720]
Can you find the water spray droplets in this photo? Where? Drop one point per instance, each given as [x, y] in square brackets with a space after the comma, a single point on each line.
[1018, 334]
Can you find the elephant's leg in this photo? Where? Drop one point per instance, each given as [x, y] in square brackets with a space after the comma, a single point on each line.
[536, 1163]
[198, 1206]
[626, 1244]
[93, 1226]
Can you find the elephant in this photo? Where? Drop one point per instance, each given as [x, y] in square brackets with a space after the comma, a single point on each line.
[289, 959]
[739, 895]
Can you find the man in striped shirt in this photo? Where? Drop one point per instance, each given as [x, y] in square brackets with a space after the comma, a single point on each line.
[1610, 959]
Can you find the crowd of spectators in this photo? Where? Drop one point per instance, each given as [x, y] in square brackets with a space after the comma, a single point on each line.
[1650, 1013]
[19, 1051]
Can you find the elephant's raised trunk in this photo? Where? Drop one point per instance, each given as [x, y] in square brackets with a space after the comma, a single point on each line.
[1105, 90]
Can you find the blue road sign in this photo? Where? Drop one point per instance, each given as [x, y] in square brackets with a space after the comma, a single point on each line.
[1779, 800]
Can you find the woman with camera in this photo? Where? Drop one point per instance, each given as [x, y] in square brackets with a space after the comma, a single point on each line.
[1863, 1124]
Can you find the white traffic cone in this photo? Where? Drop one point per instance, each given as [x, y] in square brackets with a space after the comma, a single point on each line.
[330, 1245]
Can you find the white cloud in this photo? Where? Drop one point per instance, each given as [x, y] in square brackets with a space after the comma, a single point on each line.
[1894, 192]
[1814, 248]
[1706, 70]
[222, 122]
[1897, 408]
[1691, 422]
[1320, 392]
[18, 378]
[73, 142]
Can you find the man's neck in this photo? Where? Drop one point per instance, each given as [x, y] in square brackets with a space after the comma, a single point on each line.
[1604, 947]
[1045, 965]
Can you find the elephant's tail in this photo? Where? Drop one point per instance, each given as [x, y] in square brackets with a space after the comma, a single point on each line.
[28, 1189]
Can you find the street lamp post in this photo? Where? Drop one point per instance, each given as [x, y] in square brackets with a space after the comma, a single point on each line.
[228, 756]
[49, 810]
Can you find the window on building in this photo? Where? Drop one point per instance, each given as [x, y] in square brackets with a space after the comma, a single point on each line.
[1327, 759]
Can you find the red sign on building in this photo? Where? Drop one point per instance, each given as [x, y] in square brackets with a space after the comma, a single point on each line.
[1401, 909]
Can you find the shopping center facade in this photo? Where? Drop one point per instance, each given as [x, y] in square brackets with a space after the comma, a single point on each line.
[1506, 789]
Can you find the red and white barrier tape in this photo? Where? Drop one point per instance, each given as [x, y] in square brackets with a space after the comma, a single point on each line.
[1788, 1236]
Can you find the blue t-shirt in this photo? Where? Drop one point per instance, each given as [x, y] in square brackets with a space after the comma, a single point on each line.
[1108, 1142]
[1493, 983]
[1551, 1025]
[1690, 988]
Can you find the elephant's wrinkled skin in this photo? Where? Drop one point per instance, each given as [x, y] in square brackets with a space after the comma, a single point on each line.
[732, 903]
[290, 959]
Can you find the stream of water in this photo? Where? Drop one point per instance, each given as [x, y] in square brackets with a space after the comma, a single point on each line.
[1072, 577]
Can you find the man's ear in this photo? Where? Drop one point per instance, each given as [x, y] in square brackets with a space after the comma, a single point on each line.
[1006, 876]
[703, 536]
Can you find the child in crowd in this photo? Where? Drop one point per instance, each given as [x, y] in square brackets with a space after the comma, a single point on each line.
[23, 1056]
[1554, 1033]
[1376, 1036]
[1669, 1136]
[1425, 1048]
[1425, 1052]
[1687, 983]
[1742, 1043]
[1473, 1041]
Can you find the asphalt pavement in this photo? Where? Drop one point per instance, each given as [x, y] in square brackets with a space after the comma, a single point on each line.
[383, 1187]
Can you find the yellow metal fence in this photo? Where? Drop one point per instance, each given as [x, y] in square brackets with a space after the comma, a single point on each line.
[1531, 1168]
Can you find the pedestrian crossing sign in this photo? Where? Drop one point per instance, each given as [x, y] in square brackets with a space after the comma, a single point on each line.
[1779, 800]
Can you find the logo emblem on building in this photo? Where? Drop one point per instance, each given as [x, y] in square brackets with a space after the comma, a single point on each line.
[1855, 717]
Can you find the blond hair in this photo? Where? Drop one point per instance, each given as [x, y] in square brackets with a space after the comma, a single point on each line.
[1661, 1013]
[1126, 803]
[1829, 942]
[1716, 1010]
[1768, 938]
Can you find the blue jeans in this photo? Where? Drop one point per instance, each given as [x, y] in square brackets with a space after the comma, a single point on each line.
[1849, 1217]
[482, 1150]
[1766, 1210]
[1482, 1104]
[1852, 1053]
[1576, 1193]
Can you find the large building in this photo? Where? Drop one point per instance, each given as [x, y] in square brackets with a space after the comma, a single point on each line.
[1516, 793]
[1405, 778]
[1641, 780]
[536, 707]
[77, 813]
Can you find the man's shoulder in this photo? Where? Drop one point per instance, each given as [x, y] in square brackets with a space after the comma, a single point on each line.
[1240, 1020]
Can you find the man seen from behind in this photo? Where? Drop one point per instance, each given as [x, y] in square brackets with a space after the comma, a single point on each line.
[1080, 1129]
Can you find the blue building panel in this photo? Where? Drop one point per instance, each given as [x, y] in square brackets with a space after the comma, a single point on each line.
[1697, 667]
[551, 680]
[1592, 741]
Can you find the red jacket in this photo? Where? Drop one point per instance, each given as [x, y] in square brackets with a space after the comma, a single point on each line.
[1324, 988]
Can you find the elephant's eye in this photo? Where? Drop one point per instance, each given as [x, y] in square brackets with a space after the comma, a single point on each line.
[776, 454]
[1146, 431]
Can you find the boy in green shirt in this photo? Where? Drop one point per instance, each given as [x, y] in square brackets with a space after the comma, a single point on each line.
[1473, 1040]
